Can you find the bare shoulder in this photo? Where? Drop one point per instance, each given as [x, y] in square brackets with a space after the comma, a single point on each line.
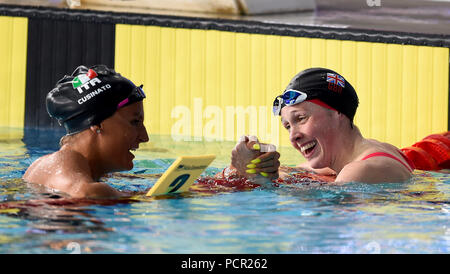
[373, 171]
[59, 162]
[58, 170]
[40, 168]
[68, 171]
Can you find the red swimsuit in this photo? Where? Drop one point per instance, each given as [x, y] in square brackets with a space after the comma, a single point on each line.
[410, 165]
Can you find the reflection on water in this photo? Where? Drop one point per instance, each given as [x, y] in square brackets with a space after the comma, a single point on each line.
[225, 217]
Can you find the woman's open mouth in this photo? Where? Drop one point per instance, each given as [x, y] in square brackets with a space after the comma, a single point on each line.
[308, 148]
[131, 151]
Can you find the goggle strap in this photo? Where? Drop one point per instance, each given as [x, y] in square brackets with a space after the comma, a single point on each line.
[138, 90]
[124, 102]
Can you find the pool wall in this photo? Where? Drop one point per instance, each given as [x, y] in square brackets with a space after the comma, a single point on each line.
[216, 79]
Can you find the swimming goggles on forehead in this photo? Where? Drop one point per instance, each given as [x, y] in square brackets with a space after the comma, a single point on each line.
[136, 95]
[288, 98]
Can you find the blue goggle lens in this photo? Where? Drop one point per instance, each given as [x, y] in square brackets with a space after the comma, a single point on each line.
[288, 98]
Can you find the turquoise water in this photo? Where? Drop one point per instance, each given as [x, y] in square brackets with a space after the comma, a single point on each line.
[411, 217]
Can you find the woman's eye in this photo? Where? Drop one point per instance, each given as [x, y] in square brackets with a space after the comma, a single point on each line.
[135, 122]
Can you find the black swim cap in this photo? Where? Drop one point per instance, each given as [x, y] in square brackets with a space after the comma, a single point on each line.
[89, 96]
[326, 85]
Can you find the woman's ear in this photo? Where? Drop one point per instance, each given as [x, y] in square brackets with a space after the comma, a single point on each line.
[96, 129]
[345, 119]
[336, 114]
[342, 117]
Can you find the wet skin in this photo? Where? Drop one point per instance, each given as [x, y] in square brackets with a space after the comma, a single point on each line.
[89, 155]
[331, 146]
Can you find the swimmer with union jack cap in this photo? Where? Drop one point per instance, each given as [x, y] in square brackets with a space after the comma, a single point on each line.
[317, 109]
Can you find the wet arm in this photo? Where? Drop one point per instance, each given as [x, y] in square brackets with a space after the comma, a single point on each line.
[99, 190]
[321, 171]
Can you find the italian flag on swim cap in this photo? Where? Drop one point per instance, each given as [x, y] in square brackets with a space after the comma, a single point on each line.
[82, 79]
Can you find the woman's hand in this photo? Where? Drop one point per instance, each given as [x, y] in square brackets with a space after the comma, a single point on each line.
[250, 159]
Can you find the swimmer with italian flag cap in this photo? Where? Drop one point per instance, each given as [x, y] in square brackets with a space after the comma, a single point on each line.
[103, 115]
[317, 109]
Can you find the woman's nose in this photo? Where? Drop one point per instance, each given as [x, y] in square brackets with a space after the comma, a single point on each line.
[295, 134]
[143, 136]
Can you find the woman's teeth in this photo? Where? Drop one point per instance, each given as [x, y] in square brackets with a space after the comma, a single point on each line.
[307, 146]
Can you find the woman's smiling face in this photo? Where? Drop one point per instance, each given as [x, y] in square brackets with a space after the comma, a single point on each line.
[312, 130]
[122, 133]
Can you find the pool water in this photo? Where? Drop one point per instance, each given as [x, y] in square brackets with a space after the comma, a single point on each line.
[304, 217]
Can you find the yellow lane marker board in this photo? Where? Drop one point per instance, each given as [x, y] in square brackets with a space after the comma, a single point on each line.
[181, 174]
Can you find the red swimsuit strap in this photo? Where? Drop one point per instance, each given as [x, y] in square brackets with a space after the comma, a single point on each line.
[410, 167]
[410, 163]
